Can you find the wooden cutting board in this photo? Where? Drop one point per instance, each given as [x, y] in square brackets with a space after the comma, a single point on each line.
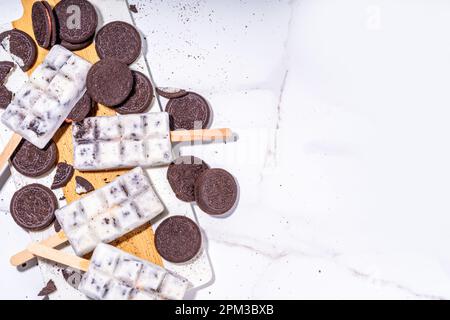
[139, 242]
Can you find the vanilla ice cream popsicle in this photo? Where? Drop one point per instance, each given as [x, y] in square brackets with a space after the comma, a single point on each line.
[39, 108]
[116, 275]
[113, 274]
[109, 212]
[122, 141]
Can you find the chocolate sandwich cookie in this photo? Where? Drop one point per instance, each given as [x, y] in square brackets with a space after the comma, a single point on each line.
[141, 95]
[178, 239]
[21, 46]
[33, 207]
[118, 40]
[42, 24]
[171, 93]
[64, 173]
[5, 70]
[216, 191]
[182, 174]
[188, 112]
[81, 109]
[5, 97]
[76, 46]
[54, 32]
[33, 162]
[68, 29]
[109, 82]
[83, 185]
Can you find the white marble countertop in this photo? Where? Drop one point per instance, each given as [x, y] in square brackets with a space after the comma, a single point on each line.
[342, 111]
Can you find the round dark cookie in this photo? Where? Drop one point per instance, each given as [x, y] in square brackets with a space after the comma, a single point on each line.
[216, 191]
[118, 40]
[141, 95]
[33, 207]
[5, 97]
[5, 69]
[31, 161]
[187, 110]
[182, 174]
[88, 20]
[109, 82]
[64, 173]
[42, 24]
[178, 239]
[171, 93]
[76, 46]
[54, 37]
[21, 45]
[81, 109]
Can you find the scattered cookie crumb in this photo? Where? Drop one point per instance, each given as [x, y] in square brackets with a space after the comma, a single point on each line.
[133, 8]
[48, 289]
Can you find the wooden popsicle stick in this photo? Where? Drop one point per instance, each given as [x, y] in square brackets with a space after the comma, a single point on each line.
[9, 149]
[200, 134]
[58, 256]
[25, 255]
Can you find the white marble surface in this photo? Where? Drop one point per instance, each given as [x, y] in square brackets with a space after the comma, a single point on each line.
[342, 112]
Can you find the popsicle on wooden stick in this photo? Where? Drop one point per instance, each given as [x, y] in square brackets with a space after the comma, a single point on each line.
[113, 274]
[104, 215]
[125, 141]
[39, 108]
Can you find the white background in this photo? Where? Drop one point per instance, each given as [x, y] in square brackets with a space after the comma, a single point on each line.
[342, 110]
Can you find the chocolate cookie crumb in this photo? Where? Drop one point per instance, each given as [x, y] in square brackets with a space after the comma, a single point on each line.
[48, 289]
[64, 173]
[83, 185]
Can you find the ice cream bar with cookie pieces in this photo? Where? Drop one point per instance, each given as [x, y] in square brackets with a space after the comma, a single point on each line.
[109, 212]
[116, 275]
[122, 141]
[39, 108]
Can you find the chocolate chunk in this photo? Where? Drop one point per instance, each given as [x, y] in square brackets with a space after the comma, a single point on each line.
[133, 8]
[171, 93]
[5, 97]
[118, 40]
[188, 112]
[141, 95]
[76, 26]
[33, 162]
[72, 277]
[178, 239]
[76, 46]
[57, 226]
[109, 82]
[5, 70]
[54, 37]
[33, 207]
[81, 109]
[64, 173]
[48, 289]
[83, 185]
[182, 174]
[216, 191]
[42, 24]
[21, 46]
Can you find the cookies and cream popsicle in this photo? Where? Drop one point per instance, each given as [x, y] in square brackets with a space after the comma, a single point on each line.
[122, 141]
[113, 274]
[116, 275]
[109, 212]
[39, 108]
